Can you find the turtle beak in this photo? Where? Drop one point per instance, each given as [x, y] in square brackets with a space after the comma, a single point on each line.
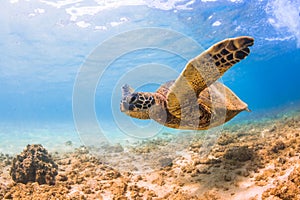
[124, 106]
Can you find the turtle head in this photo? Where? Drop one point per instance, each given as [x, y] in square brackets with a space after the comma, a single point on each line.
[136, 104]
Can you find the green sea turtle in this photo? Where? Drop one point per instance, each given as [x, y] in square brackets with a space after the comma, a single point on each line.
[195, 100]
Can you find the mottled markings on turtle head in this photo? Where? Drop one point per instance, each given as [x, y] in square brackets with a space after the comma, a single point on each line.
[215, 57]
[133, 99]
[139, 106]
[139, 102]
[131, 107]
[218, 64]
[153, 101]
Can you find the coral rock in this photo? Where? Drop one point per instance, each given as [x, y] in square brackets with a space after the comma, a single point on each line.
[239, 153]
[34, 164]
[165, 162]
[279, 145]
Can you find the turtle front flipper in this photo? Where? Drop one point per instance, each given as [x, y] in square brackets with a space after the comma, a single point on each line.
[203, 70]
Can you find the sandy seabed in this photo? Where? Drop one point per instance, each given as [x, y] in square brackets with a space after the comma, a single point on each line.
[251, 160]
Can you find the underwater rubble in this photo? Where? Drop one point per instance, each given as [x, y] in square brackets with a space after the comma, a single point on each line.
[34, 164]
[258, 160]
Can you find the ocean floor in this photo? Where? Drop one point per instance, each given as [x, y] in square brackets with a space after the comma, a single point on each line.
[255, 159]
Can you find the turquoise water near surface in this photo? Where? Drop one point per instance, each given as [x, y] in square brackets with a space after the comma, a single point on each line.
[44, 44]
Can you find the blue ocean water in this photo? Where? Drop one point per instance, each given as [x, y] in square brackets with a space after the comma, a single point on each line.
[45, 45]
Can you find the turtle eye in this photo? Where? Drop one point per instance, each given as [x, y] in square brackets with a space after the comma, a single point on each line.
[133, 99]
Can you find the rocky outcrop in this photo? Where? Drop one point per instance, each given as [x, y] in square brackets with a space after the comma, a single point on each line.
[34, 164]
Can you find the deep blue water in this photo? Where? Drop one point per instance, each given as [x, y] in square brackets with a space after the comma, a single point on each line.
[44, 44]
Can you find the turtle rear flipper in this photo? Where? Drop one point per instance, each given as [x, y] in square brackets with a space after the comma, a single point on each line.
[220, 101]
